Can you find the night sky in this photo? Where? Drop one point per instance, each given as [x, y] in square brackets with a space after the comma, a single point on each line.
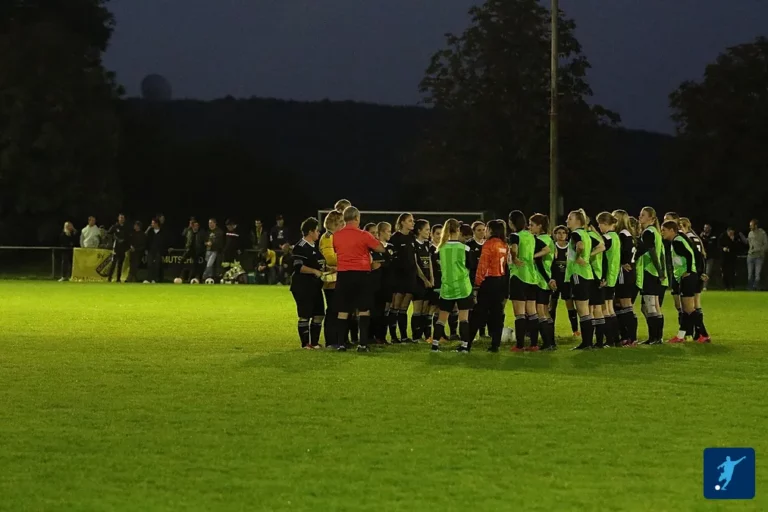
[377, 50]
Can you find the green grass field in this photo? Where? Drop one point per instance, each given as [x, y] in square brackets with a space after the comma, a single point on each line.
[142, 398]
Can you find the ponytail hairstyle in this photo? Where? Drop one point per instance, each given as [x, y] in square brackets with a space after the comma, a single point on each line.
[622, 221]
[672, 216]
[466, 231]
[452, 227]
[581, 216]
[685, 224]
[650, 211]
[634, 226]
[497, 229]
[381, 227]
[341, 205]
[607, 218]
[402, 218]
[517, 220]
[540, 220]
[671, 225]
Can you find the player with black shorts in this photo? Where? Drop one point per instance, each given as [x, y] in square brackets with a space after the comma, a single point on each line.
[403, 272]
[579, 272]
[434, 297]
[522, 280]
[538, 225]
[563, 290]
[684, 271]
[651, 273]
[475, 245]
[596, 300]
[701, 336]
[382, 293]
[307, 286]
[455, 289]
[611, 269]
[626, 284]
[424, 284]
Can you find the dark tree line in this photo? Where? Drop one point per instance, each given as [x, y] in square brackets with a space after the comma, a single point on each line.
[71, 145]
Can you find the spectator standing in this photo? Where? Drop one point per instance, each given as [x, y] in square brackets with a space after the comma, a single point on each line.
[213, 246]
[279, 235]
[138, 247]
[758, 246]
[121, 244]
[729, 248]
[285, 265]
[194, 251]
[90, 236]
[67, 240]
[259, 237]
[709, 245]
[156, 247]
[231, 250]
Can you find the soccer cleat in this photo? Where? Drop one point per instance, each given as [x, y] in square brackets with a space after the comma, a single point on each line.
[408, 340]
[363, 348]
[583, 346]
[455, 337]
[689, 338]
[307, 347]
[704, 339]
[517, 349]
[396, 341]
[435, 348]
[655, 342]
[430, 340]
[494, 350]
[550, 348]
[316, 347]
[645, 342]
[598, 346]
[331, 347]
[576, 334]
[676, 339]
[341, 348]
[462, 350]
[532, 348]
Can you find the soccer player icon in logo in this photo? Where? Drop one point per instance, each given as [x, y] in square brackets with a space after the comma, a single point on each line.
[727, 473]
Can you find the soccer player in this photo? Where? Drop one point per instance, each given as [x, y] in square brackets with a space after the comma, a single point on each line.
[492, 282]
[563, 290]
[675, 286]
[384, 294]
[607, 223]
[353, 248]
[651, 273]
[371, 228]
[475, 245]
[538, 225]
[424, 283]
[578, 272]
[685, 273]
[523, 280]
[404, 273]
[333, 222]
[596, 300]
[434, 296]
[701, 265]
[306, 285]
[341, 205]
[626, 287]
[455, 288]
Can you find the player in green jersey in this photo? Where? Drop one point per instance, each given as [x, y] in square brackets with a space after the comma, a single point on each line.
[538, 225]
[523, 280]
[455, 288]
[651, 273]
[579, 272]
[611, 270]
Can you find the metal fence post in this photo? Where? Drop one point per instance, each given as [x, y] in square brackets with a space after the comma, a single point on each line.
[53, 263]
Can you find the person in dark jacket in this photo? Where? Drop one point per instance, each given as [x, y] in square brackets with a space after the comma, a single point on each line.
[213, 247]
[259, 236]
[156, 247]
[194, 252]
[138, 246]
[279, 235]
[729, 249]
[68, 240]
[120, 245]
[231, 251]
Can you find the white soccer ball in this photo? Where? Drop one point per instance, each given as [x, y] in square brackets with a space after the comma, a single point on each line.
[210, 281]
[177, 280]
[508, 335]
[146, 282]
[195, 281]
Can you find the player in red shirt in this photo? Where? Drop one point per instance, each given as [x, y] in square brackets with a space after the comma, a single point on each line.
[353, 248]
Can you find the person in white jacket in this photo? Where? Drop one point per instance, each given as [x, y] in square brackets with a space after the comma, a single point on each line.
[90, 236]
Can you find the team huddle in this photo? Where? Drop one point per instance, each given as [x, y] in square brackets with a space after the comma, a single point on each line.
[357, 284]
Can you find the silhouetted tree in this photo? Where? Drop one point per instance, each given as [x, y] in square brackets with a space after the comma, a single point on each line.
[489, 87]
[722, 125]
[59, 130]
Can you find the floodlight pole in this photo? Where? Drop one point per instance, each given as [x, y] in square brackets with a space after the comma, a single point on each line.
[554, 193]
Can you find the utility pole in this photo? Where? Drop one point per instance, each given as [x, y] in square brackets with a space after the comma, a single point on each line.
[554, 192]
